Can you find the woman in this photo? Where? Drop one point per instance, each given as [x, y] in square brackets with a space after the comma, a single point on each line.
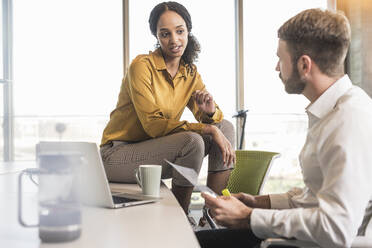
[145, 126]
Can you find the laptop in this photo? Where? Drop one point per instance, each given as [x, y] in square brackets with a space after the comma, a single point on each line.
[94, 186]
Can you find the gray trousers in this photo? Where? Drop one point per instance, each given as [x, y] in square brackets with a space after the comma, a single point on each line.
[184, 148]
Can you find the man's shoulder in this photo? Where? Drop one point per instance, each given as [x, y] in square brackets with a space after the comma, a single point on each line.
[351, 114]
[347, 124]
[352, 110]
[354, 100]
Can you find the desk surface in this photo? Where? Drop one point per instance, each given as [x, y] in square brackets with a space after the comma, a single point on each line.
[160, 224]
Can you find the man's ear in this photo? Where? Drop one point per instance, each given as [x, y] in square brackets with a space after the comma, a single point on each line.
[304, 64]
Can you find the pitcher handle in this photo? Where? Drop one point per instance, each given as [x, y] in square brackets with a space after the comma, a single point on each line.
[138, 176]
[29, 171]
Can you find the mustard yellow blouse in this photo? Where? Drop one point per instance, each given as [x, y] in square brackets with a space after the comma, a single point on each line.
[151, 103]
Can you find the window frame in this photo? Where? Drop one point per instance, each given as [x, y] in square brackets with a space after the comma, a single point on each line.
[7, 80]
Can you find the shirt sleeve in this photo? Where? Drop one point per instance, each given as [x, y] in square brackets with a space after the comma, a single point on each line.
[345, 162]
[286, 200]
[200, 115]
[150, 115]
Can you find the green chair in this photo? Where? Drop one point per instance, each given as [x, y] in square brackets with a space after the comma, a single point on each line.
[248, 176]
[250, 172]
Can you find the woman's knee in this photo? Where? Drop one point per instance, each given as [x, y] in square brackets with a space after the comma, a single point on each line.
[190, 156]
[194, 142]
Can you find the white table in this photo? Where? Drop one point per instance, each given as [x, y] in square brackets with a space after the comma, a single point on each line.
[161, 224]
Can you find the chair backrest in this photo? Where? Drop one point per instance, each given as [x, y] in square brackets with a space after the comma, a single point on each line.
[366, 223]
[250, 172]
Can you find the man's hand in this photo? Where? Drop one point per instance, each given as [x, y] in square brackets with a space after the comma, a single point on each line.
[259, 201]
[228, 153]
[247, 199]
[205, 102]
[228, 211]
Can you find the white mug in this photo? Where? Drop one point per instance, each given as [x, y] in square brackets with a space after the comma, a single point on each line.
[148, 178]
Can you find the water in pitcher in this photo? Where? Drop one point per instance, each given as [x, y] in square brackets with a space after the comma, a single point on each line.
[59, 203]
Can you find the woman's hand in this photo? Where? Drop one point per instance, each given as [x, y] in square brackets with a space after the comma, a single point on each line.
[228, 153]
[228, 211]
[205, 102]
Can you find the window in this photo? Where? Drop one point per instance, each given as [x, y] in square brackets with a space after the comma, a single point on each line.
[1, 122]
[276, 121]
[67, 70]
[1, 43]
[1, 86]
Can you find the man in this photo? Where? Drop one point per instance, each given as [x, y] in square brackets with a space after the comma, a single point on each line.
[336, 159]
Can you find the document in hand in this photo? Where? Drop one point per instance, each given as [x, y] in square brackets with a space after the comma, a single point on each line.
[192, 177]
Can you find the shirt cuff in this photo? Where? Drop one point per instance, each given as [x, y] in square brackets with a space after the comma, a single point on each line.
[196, 127]
[279, 201]
[215, 118]
[261, 223]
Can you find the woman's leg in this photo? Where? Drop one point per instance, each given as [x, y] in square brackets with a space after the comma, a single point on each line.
[183, 195]
[217, 181]
[184, 148]
[218, 173]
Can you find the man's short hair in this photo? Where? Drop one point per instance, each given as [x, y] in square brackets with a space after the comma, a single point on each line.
[323, 35]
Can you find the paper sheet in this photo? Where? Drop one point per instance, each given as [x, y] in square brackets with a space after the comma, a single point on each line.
[191, 176]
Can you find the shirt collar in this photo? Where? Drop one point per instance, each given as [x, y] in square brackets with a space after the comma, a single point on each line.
[158, 59]
[327, 101]
[160, 63]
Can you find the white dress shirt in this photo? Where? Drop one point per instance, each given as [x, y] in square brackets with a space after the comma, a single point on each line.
[336, 163]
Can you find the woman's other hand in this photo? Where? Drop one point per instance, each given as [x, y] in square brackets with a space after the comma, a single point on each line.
[228, 153]
[205, 102]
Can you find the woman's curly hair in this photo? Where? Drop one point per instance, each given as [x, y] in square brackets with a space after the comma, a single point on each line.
[192, 50]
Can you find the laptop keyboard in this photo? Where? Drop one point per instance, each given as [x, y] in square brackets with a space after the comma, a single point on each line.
[120, 199]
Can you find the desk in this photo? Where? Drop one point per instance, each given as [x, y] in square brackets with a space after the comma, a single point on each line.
[160, 224]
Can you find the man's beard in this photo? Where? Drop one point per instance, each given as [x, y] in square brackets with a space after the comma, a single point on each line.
[294, 84]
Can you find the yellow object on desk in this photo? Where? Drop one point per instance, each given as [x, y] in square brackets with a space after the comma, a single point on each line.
[226, 192]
